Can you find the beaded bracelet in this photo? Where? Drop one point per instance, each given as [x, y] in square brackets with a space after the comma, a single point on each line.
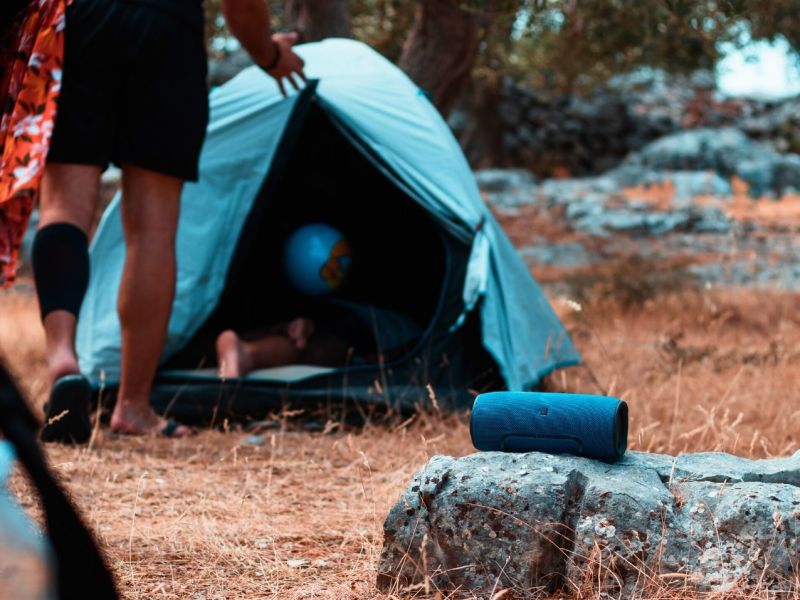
[275, 60]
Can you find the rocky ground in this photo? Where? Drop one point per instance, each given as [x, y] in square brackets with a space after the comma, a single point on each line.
[706, 207]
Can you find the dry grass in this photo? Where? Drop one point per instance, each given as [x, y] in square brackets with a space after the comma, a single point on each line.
[210, 517]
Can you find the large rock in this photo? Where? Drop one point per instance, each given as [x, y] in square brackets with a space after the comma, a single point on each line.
[493, 521]
[778, 123]
[721, 153]
[506, 188]
[699, 149]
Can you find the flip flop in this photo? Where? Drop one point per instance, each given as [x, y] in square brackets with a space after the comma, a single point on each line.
[169, 429]
[67, 411]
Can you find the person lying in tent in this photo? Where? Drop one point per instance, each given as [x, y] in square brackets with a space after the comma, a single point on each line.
[133, 93]
[348, 333]
[295, 342]
[316, 262]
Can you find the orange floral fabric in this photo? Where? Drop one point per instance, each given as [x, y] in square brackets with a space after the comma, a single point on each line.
[31, 58]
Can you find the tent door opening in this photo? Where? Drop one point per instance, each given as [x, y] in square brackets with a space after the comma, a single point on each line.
[399, 254]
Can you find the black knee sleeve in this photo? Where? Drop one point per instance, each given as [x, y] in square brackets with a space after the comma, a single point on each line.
[60, 267]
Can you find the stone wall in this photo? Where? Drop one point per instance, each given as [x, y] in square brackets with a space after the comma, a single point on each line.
[556, 134]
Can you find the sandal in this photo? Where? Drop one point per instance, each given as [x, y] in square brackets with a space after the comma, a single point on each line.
[67, 411]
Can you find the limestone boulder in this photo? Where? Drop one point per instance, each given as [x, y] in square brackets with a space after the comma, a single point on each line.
[533, 522]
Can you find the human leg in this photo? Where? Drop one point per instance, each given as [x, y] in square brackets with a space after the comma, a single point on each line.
[163, 116]
[60, 257]
[292, 343]
[78, 152]
[237, 357]
[326, 350]
[150, 208]
[61, 270]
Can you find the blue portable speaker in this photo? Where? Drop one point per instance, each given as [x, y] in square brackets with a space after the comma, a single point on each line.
[591, 426]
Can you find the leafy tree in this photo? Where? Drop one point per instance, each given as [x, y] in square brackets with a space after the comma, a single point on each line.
[440, 50]
[568, 44]
[564, 45]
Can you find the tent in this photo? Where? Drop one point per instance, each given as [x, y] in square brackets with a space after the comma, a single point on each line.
[361, 148]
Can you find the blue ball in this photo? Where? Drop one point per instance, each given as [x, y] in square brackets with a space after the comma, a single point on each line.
[316, 259]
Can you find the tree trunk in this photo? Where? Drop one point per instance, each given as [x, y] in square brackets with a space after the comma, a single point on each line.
[440, 50]
[482, 136]
[316, 20]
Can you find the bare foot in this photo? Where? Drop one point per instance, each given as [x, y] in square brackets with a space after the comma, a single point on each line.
[300, 330]
[139, 419]
[231, 356]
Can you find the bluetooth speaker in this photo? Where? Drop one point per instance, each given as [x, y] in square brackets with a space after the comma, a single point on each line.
[580, 424]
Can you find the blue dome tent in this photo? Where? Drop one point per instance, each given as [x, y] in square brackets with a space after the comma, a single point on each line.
[361, 148]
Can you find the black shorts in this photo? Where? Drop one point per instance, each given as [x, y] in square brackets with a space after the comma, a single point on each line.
[134, 86]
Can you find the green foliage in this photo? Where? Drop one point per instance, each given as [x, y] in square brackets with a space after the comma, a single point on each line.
[572, 44]
[768, 19]
[569, 43]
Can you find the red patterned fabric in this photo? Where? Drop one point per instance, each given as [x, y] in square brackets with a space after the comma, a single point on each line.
[31, 57]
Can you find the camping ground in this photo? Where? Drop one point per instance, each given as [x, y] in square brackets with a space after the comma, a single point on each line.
[643, 159]
[298, 514]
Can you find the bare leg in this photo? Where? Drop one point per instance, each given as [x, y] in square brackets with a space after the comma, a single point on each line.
[150, 207]
[69, 195]
[237, 357]
[326, 350]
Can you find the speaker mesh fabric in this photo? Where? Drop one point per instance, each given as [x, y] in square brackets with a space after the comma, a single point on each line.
[585, 425]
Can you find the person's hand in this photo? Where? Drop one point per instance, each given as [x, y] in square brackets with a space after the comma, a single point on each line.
[287, 64]
[299, 332]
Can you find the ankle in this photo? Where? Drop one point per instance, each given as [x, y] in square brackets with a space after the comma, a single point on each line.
[134, 418]
[245, 358]
[62, 362]
[130, 404]
[129, 408]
